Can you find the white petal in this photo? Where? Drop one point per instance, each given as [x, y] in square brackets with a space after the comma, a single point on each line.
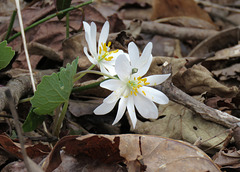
[131, 111]
[93, 38]
[110, 68]
[145, 107]
[121, 109]
[143, 68]
[147, 52]
[133, 53]
[111, 84]
[87, 31]
[157, 79]
[103, 69]
[104, 34]
[122, 67]
[113, 97]
[104, 108]
[154, 95]
[90, 58]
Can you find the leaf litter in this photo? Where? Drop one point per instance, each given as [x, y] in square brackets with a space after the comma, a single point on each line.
[214, 80]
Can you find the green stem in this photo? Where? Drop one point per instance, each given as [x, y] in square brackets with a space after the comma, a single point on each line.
[85, 87]
[60, 119]
[94, 72]
[48, 18]
[81, 75]
[67, 25]
[25, 100]
[11, 24]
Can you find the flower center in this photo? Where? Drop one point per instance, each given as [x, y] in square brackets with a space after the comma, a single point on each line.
[104, 52]
[137, 83]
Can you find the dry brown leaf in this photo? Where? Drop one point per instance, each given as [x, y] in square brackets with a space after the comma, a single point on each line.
[166, 8]
[33, 151]
[198, 79]
[178, 122]
[188, 22]
[156, 66]
[151, 153]
[79, 108]
[227, 158]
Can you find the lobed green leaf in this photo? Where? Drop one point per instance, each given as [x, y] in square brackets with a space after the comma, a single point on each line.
[6, 54]
[54, 90]
[33, 121]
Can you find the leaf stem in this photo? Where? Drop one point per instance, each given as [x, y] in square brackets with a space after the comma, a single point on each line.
[11, 24]
[81, 75]
[25, 100]
[94, 72]
[60, 119]
[48, 18]
[67, 25]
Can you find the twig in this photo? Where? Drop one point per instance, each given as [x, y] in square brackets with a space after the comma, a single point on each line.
[208, 113]
[207, 3]
[182, 33]
[20, 87]
[30, 165]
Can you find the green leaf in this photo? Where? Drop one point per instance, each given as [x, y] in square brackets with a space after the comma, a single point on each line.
[54, 90]
[33, 121]
[62, 5]
[6, 54]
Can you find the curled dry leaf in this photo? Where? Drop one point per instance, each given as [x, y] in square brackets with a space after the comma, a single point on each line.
[198, 79]
[151, 153]
[13, 148]
[157, 62]
[177, 122]
[228, 158]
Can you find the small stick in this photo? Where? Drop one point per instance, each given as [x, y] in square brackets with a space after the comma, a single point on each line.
[210, 4]
[206, 112]
[30, 165]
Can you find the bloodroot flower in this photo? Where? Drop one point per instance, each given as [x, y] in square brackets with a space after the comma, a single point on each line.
[100, 56]
[133, 90]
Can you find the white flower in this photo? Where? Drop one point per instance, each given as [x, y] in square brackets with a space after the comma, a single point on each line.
[133, 90]
[100, 56]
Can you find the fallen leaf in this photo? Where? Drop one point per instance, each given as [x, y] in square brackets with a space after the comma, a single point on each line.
[80, 108]
[151, 153]
[157, 62]
[198, 79]
[165, 8]
[178, 122]
[33, 151]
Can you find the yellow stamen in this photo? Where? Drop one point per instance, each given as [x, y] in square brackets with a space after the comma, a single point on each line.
[146, 83]
[144, 93]
[131, 92]
[109, 58]
[135, 93]
[109, 44]
[105, 47]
